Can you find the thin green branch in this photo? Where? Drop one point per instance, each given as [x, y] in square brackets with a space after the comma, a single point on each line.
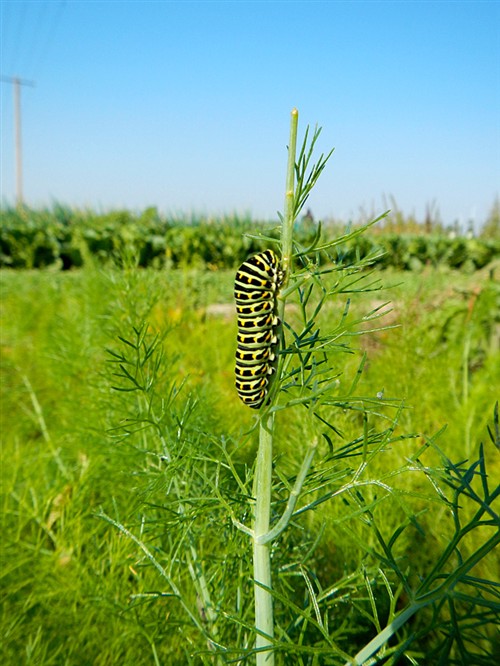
[282, 524]
[175, 590]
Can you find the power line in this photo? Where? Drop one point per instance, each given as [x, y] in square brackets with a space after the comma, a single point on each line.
[27, 33]
[41, 53]
[34, 36]
[17, 83]
[13, 25]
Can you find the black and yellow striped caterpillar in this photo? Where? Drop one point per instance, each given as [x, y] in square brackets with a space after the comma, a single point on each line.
[255, 289]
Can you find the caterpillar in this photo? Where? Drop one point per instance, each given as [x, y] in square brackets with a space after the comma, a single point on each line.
[257, 282]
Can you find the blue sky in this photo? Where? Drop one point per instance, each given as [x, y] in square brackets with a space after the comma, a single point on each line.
[185, 105]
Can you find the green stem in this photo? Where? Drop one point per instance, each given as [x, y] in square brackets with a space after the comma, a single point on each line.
[288, 218]
[465, 365]
[445, 588]
[264, 620]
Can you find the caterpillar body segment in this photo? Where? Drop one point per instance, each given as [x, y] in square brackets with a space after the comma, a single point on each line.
[255, 290]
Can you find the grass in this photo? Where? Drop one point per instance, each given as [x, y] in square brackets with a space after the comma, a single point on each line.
[75, 590]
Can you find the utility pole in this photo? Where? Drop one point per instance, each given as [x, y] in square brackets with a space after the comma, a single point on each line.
[17, 83]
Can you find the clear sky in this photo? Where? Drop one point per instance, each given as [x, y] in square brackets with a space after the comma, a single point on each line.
[185, 105]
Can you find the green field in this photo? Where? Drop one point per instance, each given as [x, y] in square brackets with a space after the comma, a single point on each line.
[64, 237]
[76, 445]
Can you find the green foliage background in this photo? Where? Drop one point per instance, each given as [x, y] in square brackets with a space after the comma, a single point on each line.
[70, 238]
[75, 591]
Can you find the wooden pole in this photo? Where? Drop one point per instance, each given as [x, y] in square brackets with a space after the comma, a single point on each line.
[17, 139]
[17, 83]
